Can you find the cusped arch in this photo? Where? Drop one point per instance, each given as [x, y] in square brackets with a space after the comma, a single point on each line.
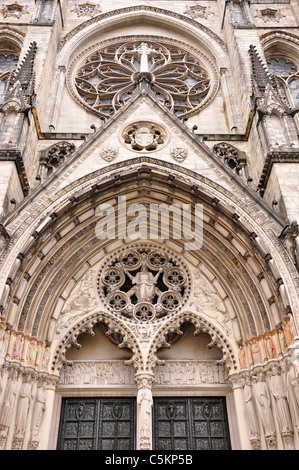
[115, 326]
[280, 42]
[202, 325]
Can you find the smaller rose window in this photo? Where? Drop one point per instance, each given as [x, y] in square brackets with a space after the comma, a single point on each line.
[143, 284]
[144, 137]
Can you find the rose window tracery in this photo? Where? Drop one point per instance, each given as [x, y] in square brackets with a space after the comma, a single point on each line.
[144, 283]
[107, 78]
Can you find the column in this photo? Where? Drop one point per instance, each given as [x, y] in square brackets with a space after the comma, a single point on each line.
[237, 388]
[57, 101]
[45, 426]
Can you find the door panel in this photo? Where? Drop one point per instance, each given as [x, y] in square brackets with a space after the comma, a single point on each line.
[190, 424]
[97, 424]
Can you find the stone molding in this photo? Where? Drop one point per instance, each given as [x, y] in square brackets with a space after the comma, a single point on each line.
[122, 11]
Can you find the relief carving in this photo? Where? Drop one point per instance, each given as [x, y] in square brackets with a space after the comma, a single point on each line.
[82, 300]
[198, 11]
[208, 302]
[190, 373]
[100, 373]
[87, 9]
[179, 154]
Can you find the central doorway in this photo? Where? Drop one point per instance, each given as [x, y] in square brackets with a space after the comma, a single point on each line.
[193, 423]
[97, 424]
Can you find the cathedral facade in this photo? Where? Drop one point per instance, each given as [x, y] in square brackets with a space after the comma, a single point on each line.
[149, 250]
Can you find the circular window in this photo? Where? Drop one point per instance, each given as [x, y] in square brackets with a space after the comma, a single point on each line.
[144, 137]
[181, 78]
[143, 283]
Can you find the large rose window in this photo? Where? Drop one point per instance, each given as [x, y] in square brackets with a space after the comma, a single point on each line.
[178, 78]
[143, 283]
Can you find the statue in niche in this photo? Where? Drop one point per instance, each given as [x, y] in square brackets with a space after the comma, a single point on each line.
[4, 344]
[17, 348]
[278, 391]
[250, 408]
[283, 344]
[23, 408]
[287, 330]
[292, 392]
[31, 353]
[38, 412]
[255, 348]
[145, 288]
[9, 400]
[269, 347]
[288, 237]
[242, 358]
[263, 402]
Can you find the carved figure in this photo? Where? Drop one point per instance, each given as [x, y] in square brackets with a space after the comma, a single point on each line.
[145, 289]
[38, 412]
[263, 402]
[145, 403]
[255, 351]
[23, 408]
[9, 399]
[269, 347]
[278, 391]
[242, 359]
[250, 409]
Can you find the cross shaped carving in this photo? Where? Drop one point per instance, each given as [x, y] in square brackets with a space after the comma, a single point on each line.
[145, 52]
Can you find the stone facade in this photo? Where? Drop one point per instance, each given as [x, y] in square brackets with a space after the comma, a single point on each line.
[114, 121]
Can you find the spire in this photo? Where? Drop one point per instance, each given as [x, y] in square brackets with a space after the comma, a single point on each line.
[260, 75]
[265, 83]
[24, 74]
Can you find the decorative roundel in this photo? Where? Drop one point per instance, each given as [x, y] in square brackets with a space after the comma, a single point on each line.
[144, 136]
[104, 77]
[143, 283]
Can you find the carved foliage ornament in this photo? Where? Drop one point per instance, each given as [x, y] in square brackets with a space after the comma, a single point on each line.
[87, 9]
[14, 10]
[107, 78]
[198, 11]
[143, 283]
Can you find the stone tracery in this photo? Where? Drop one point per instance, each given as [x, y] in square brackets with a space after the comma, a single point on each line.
[108, 77]
[143, 283]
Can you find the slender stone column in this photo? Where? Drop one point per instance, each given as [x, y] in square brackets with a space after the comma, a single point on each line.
[57, 101]
[231, 115]
[47, 419]
[236, 385]
[144, 383]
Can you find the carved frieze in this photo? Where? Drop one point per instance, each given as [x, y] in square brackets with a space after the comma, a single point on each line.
[190, 373]
[97, 373]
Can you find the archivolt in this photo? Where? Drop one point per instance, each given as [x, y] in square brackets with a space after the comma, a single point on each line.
[141, 13]
[64, 246]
